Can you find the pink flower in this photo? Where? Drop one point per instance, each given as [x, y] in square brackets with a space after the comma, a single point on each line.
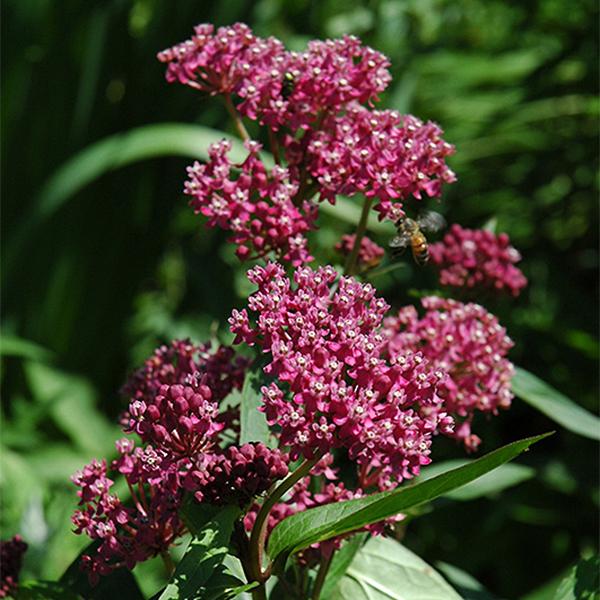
[332, 386]
[381, 154]
[256, 206]
[128, 534]
[479, 259]
[369, 254]
[11, 561]
[469, 344]
[235, 476]
[221, 62]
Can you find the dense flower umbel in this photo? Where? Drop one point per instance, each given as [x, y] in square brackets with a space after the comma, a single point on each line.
[369, 253]
[235, 476]
[332, 388]
[11, 560]
[179, 417]
[382, 154]
[128, 535]
[256, 206]
[468, 343]
[477, 258]
[221, 62]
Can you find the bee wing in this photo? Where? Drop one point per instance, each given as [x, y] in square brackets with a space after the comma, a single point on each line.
[400, 241]
[431, 221]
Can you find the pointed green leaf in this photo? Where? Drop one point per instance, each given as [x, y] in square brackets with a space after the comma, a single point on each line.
[555, 405]
[324, 522]
[491, 483]
[203, 557]
[45, 590]
[386, 570]
[253, 423]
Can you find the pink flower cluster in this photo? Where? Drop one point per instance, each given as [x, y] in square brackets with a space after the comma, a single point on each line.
[213, 374]
[237, 475]
[127, 535]
[466, 342]
[369, 253]
[174, 409]
[332, 387]
[382, 154]
[477, 258]
[256, 206]
[316, 105]
[11, 560]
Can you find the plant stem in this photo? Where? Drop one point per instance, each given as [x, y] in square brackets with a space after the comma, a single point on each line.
[259, 531]
[361, 228]
[237, 119]
[321, 575]
[259, 593]
[274, 146]
[168, 562]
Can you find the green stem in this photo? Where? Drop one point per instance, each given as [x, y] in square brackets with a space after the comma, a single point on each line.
[259, 531]
[237, 119]
[361, 228]
[168, 562]
[321, 575]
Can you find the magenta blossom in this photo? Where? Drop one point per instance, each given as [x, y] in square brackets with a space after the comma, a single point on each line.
[128, 534]
[479, 259]
[257, 206]
[11, 561]
[468, 343]
[235, 476]
[331, 386]
[369, 253]
[382, 154]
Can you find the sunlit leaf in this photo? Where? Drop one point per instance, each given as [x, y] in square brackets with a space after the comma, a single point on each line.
[555, 405]
[324, 522]
[386, 570]
[253, 423]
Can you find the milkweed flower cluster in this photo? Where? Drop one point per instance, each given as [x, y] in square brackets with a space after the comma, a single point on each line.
[256, 206]
[469, 344]
[317, 107]
[174, 410]
[11, 561]
[477, 258]
[333, 388]
[369, 253]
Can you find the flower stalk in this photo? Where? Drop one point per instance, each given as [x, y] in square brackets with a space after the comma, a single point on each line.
[352, 262]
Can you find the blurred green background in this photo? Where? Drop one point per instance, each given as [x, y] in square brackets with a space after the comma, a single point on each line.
[92, 281]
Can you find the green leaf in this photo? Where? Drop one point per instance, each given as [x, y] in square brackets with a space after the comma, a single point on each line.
[72, 406]
[467, 586]
[119, 584]
[341, 561]
[253, 423]
[45, 590]
[386, 570]
[583, 582]
[204, 555]
[491, 483]
[324, 522]
[11, 345]
[555, 405]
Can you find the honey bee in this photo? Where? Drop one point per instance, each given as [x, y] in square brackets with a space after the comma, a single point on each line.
[410, 233]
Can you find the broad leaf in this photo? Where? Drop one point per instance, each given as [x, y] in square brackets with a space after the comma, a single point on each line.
[15, 346]
[386, 570]
[583, 582]
[203, 557]
[466, 585]
[555, 405]
[342, 559]
[324, 522]
[253, 423]
[493, 482]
